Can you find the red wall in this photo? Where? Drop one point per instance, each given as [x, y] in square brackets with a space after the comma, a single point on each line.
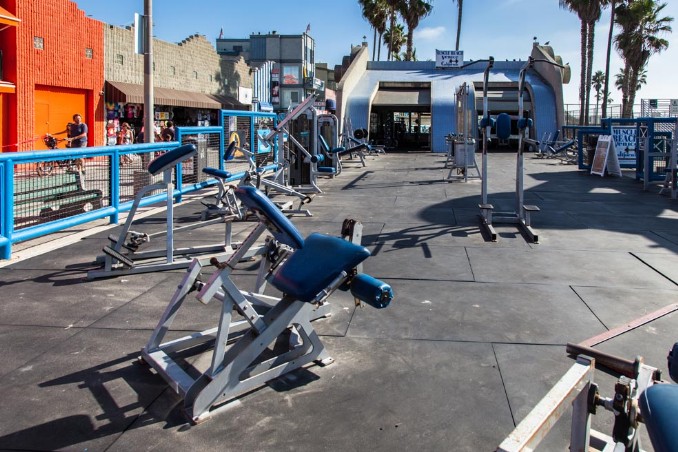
[66, 32]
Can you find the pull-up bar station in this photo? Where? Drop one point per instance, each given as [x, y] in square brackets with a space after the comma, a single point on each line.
[521, 215]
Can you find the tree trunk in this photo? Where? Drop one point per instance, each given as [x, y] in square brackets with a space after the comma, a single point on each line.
[625, 91]
[582, 73]
[390, 44]
[374, 44]
[381, 36]
[607, 61]
[589, 67]
[632, 87]
[410, 40]
[459, 3]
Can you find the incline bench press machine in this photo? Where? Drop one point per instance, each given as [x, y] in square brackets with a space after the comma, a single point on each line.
[244, 353]
[123, 255]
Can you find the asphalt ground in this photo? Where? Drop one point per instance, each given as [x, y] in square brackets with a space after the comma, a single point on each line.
[474, 338]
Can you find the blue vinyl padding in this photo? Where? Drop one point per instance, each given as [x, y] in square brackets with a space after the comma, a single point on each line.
[659, 407]
[229, 152]
[282, 228]
[326, 169]
[503, 126]
[323, 143]
[372, 291]
[524, 122]
[312, 268]
[318, 158]
[216, 172]
[171, 158]
[488, 121]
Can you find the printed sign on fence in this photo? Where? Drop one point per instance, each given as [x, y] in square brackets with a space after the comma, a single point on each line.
[625, 144]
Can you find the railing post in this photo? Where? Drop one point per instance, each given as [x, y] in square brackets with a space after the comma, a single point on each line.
[7, 220]
[115, 185]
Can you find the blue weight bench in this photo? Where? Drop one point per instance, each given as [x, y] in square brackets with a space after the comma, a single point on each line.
[259, 337]
[124, 254]
[226, 201]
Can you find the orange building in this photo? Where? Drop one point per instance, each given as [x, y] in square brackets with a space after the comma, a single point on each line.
[52, 67]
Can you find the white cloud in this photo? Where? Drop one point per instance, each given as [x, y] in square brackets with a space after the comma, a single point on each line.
[430, 33]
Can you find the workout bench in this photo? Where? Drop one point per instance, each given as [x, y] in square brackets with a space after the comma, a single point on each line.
[271, 336]
[122, 255]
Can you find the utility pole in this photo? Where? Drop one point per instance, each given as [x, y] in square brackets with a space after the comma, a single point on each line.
[149, 117]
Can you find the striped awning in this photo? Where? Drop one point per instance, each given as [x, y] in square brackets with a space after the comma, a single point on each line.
[394, 97]
[133, 93]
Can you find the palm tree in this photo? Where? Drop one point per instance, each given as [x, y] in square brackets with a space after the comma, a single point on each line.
[412, 11]
[598, 81]
[394, 41]
[622, 80]
[588, 12]
[376, 13]
[640, 38]
[460, 4]
[606, 92]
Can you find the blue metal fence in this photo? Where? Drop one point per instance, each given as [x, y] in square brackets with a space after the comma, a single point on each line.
[88, 184]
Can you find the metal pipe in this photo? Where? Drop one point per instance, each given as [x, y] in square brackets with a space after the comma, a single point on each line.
[149, 128]
[616, 364]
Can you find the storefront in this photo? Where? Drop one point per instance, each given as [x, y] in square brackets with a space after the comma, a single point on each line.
[125, 104]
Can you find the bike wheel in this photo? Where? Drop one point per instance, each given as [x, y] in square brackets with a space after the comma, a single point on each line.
[45, 168]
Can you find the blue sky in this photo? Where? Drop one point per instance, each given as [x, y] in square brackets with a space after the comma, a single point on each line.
[500, 28]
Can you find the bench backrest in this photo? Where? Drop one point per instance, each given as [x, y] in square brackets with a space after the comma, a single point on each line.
[35, 189]
[281, 227]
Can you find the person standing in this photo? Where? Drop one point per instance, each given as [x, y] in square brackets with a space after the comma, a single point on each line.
[169, 131]
[77, 132]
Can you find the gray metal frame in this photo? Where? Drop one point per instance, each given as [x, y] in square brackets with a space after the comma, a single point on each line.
[115, 262]
[461, 156]
[577, 387]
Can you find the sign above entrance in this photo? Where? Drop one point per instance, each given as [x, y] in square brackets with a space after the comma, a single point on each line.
[449, 58]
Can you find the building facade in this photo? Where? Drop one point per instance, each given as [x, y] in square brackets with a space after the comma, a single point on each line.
[293, 73]
[191, 82]
[52, 68]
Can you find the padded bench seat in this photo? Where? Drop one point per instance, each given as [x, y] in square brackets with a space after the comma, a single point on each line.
[171, 158]
[216, 172]
[313, 268]
[659, 406]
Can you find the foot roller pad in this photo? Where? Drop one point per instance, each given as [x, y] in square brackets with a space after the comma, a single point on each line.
[372, 291]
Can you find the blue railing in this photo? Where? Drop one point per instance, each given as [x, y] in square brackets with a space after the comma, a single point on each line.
[34, 204]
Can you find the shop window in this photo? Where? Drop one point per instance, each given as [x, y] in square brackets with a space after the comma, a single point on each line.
[38, 42]
[291, 75]
[89, 53]
[173, 70]
[195, 74]
[119, 59]
[154, 66]
[211, 78]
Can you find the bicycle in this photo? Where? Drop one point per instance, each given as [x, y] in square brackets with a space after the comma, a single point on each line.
[46, 168]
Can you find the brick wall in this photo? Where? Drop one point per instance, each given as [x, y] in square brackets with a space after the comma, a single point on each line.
[66, 33]
[191, 65]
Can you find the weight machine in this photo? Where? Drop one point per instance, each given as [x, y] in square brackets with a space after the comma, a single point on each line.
[122, 256]
[297, 139]
[521, 215]
[461, 155]
[264, 175]
[269, 336]
[639, 396]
